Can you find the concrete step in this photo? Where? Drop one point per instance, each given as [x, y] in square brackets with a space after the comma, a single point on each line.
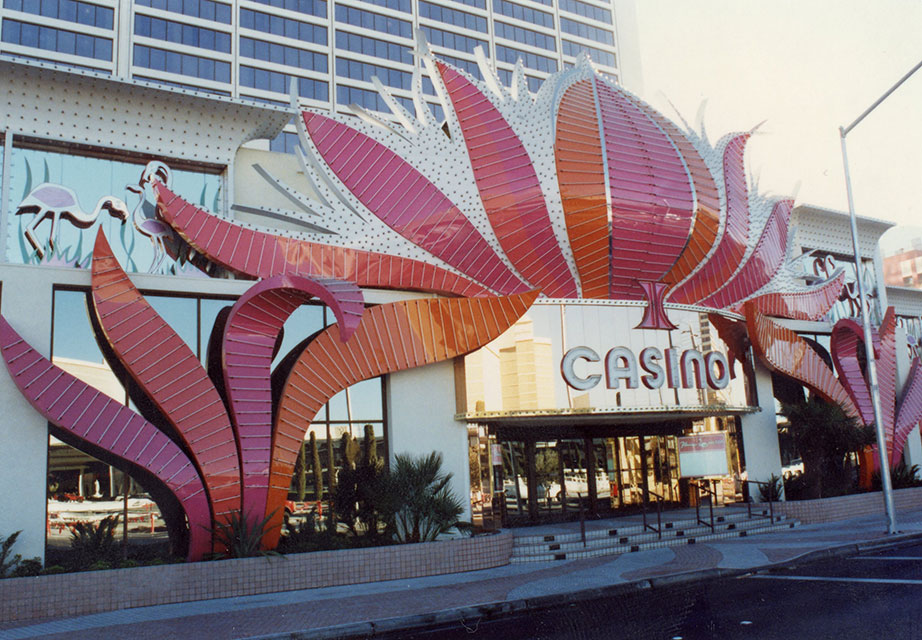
[635, 527]
[570, 550]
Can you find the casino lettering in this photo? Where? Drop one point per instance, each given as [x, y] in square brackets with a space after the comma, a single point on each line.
[689, 369]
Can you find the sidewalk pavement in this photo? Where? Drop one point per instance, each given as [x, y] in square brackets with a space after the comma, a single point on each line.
[361, 610]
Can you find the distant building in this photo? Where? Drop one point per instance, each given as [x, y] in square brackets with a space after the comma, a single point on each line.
[904, 268]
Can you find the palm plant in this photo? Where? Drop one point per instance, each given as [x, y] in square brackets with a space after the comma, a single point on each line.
[7, 562]
[238, 538]
[427, 505]
[824, 435]
[92, 543]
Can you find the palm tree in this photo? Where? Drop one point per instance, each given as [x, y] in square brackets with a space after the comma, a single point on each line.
[824, 435]
[427, 505]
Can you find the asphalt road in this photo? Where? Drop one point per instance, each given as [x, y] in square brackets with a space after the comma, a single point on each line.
[867, 596]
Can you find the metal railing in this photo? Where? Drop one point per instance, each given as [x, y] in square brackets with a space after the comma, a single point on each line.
[707, 485]
[771, 503]
[658, 529]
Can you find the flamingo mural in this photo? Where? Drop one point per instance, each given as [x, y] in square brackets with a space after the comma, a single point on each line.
[144, 215]
[49, 201]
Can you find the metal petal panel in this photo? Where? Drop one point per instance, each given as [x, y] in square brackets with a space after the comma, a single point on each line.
[910, 411]
[391, 337]
[262, 255]
[886, 377]
[845, 342]
[170, 375]
[650, 195]
[732, 245]
[250, 335]
[408, 202]
[581, 180]
[764, 262]
[91, 416]
[509, 189]
[707, 212]
[780, 349]
[802, 305]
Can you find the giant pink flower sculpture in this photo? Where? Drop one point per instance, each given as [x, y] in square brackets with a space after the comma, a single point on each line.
[579, 191]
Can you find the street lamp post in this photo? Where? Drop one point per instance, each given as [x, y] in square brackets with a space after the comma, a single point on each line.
[865, 317]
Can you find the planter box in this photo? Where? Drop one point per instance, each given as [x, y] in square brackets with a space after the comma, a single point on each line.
[82, 593]
[844, 507]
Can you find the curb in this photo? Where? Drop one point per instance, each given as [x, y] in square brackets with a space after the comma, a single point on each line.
[494, 610]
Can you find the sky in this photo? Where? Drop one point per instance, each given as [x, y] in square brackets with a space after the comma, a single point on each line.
[801, 68]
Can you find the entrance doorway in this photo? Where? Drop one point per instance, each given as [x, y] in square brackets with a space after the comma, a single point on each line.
[549, 480]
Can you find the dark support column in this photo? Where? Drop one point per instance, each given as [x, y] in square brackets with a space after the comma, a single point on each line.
[531, 480]
[618, 472]
[561, 477]
[644, 470]
[590, 475]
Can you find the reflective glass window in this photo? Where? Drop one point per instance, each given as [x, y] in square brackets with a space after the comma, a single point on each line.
[586, 10]
[514, 10]
[586, 31]
[451, 40]
[181, 63]
[309, 7]
[525, 36]
[181, 314]
[205, 9]
[278, 82]
[71, 10]
[373, 47]
[282, 54]
[375, 21]
[285, 142]
[364, 71]
[533, 83]
[597, 55]
[530, 60]
[182, 33]
[396, 5]
[285, 27]
[467, 65]
[369, 99]
[51, 39]
[452, 16]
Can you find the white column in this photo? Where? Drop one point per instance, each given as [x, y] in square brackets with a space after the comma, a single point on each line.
[26, 304]
[421, 409]
[760, 434]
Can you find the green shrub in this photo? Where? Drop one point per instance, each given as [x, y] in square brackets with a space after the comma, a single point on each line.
[771, 490]
[427, 506]
[53, 569]
[901, 477]
[8, 562]
[28, 568]
[92, 543]
[239, 538]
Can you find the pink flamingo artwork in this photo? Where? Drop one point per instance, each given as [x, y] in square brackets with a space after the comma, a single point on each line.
[144, 214]
[57, 202]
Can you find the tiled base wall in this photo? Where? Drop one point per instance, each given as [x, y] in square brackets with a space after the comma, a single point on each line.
[96, 591]
[843, 507]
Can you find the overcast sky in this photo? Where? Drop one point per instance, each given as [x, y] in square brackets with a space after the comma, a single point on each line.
[804, 67]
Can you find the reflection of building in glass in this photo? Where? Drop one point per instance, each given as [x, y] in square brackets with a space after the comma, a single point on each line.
[526, 370]
[513, 373]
